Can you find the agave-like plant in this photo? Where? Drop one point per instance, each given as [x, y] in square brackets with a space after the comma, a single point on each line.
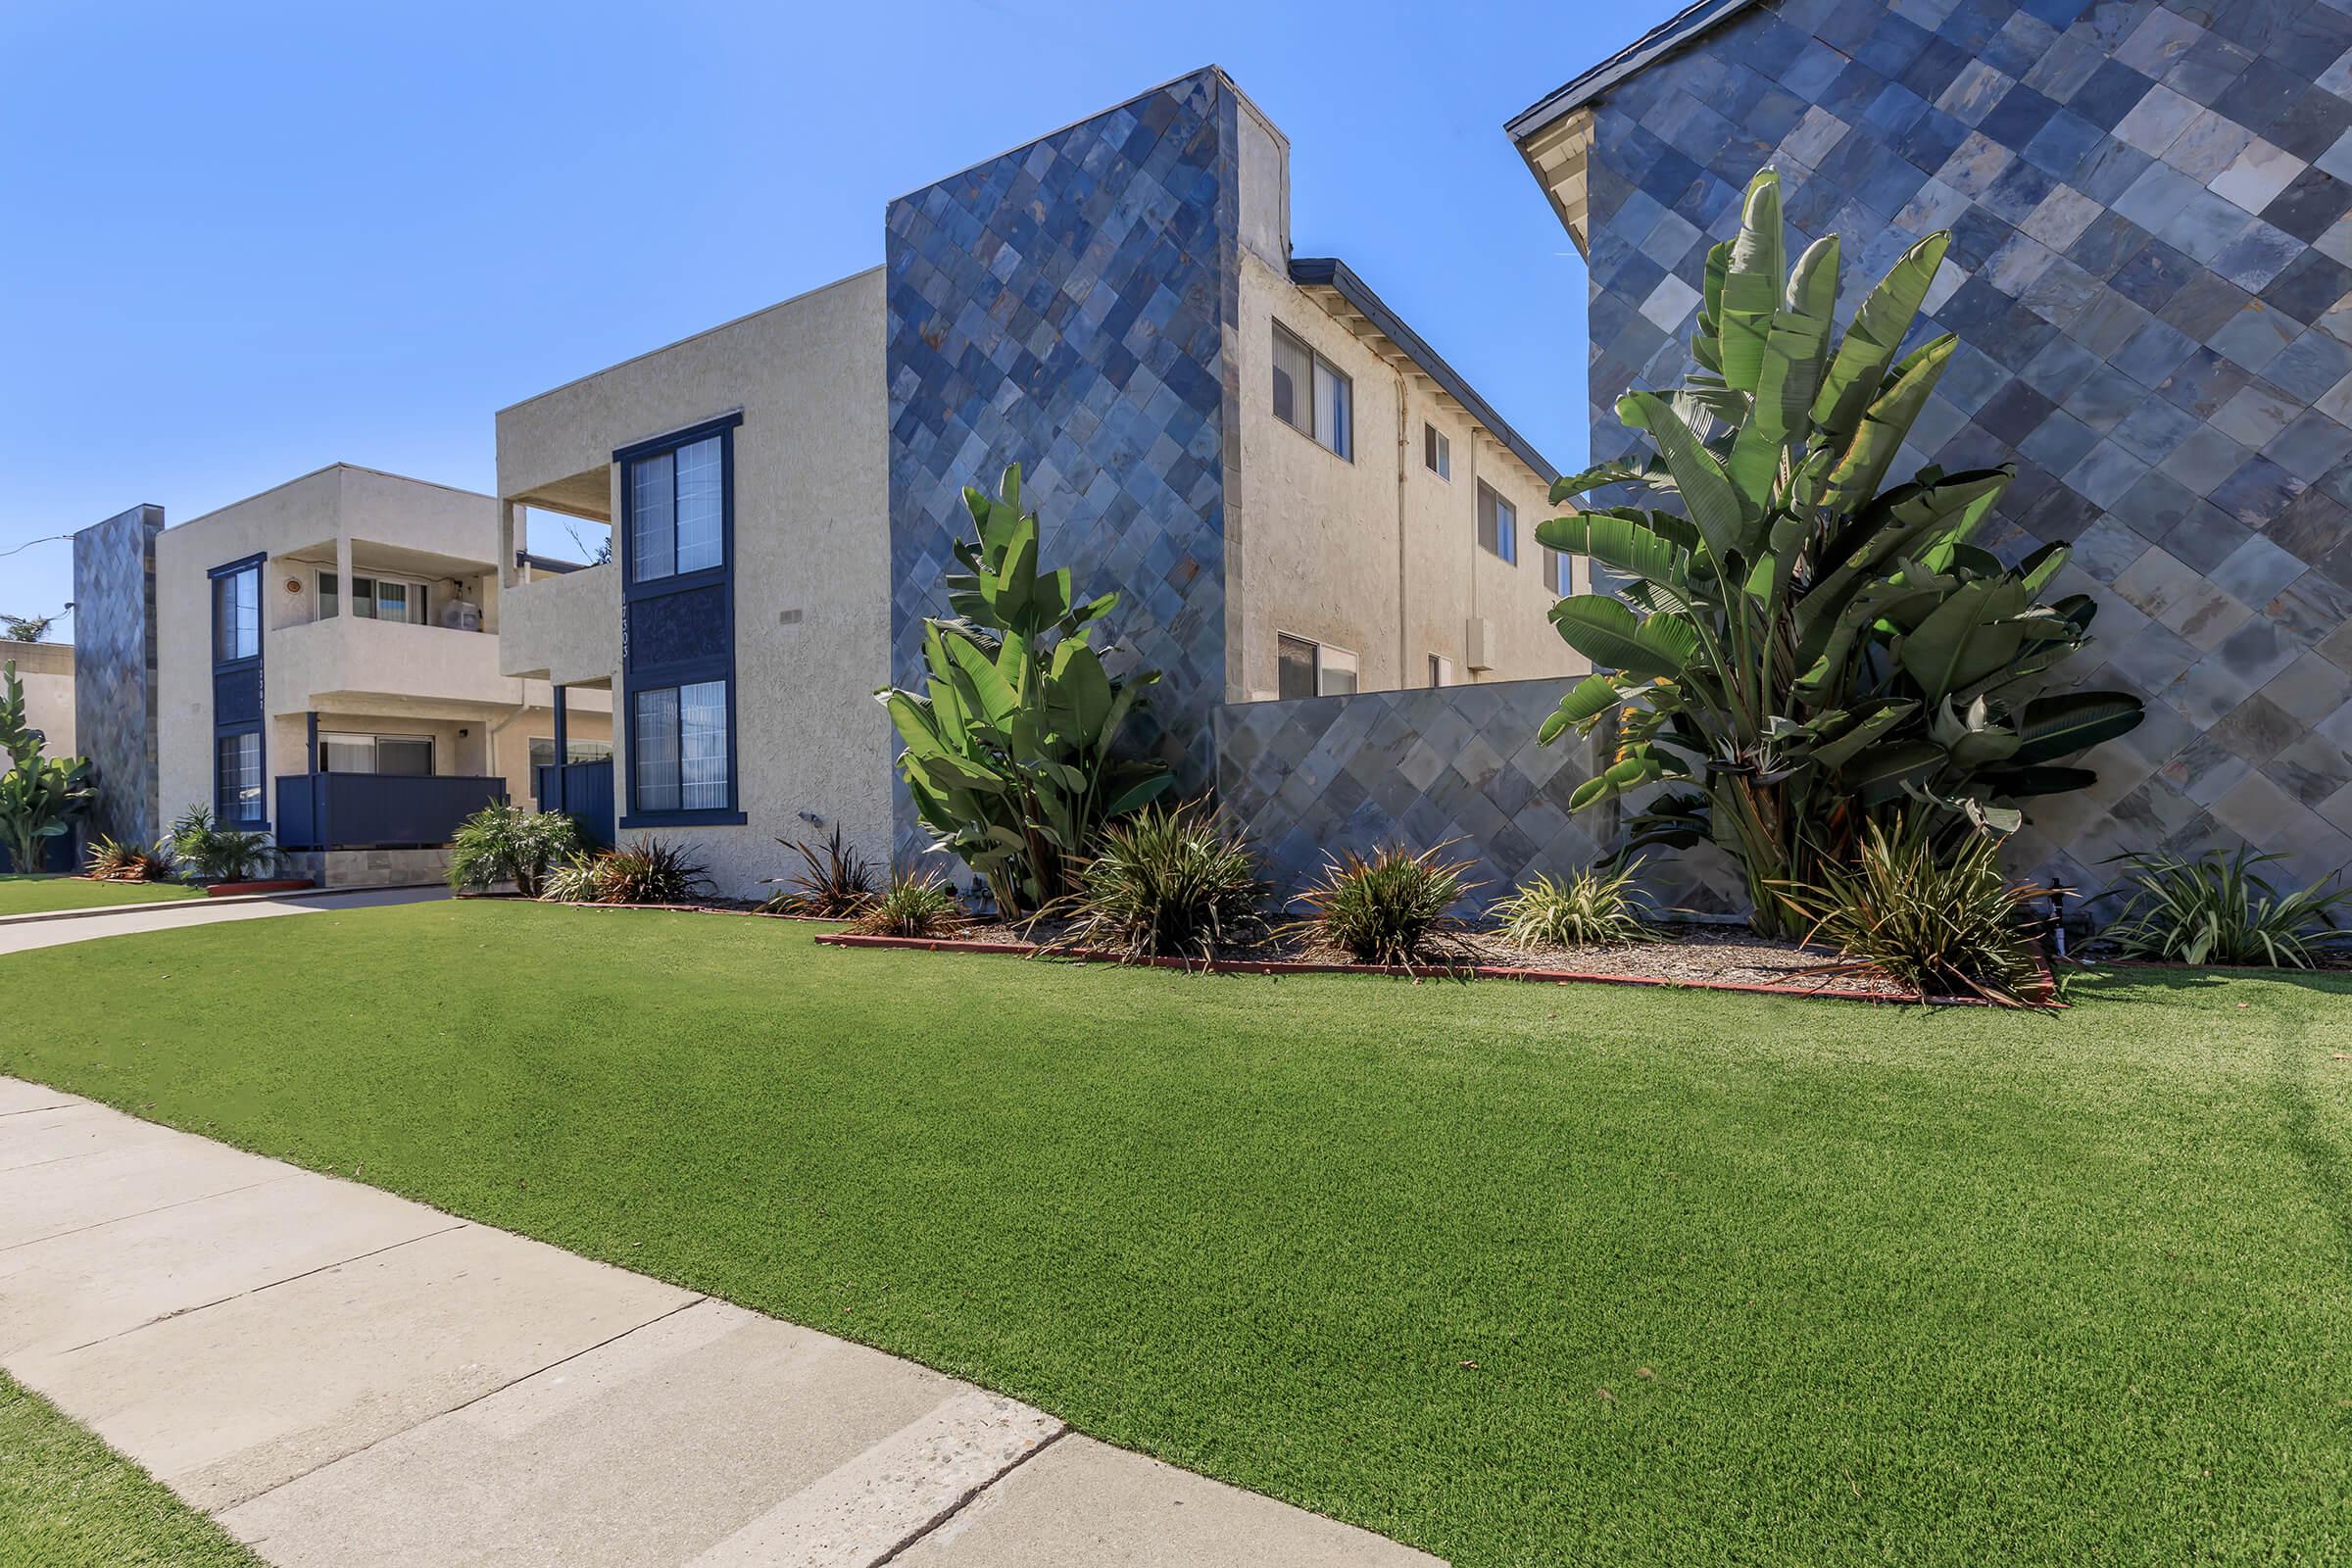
[1806, 648]
[1012, 751]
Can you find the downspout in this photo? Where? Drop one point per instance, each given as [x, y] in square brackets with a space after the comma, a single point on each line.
[1405, 631]
[491, 733]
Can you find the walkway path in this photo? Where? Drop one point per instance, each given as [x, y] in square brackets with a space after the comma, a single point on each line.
[342, 1377]
[50, 929]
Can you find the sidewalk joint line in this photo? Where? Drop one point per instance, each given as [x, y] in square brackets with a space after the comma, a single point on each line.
[267, 1285]
[960, 1503]
[117, 1219]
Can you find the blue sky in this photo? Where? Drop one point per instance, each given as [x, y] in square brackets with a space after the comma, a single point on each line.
[247, 241]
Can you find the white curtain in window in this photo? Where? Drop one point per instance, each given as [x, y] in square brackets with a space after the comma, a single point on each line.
[653, 523]
[703, 748]
[698, 543]
[653, 736]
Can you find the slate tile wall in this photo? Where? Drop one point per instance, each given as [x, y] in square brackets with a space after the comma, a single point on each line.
[1315, 775]
[1072, 306]
[114, 670]
[2151, 277]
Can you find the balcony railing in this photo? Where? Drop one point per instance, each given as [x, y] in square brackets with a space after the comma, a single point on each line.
[377, 810]
[583, 789]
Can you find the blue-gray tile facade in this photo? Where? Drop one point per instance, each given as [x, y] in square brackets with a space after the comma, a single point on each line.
[1070, 306]
[2151, 279]
[1459, 764]
[114, 670]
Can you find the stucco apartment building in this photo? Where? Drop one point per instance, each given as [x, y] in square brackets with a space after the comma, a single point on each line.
[319, 661]
[1296, 498]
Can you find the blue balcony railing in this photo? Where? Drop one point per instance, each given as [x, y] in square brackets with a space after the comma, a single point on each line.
[585, 790]
[377, 810]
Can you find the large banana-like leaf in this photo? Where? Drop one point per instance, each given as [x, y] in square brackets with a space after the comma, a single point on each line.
[1620, 544]
[1887, 424]
[2052, 727]
[1586, 701]
[1752, 283]
[1972, 634]
[1836, 753]
[1607, 633]
[1856, 374]
[1794, 350]
[1715, 506]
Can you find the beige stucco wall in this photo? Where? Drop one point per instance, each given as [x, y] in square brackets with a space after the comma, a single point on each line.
[811, 557]
[362, 675]
[46, 673]
[1377, 556]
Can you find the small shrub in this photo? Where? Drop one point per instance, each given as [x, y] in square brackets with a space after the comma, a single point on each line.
[508, 844]
[912, 907]
[570, 881]
[834, 883]
[1936, 917]
[212, 853]
[113, 861]
[1391, 908]
[1592, 909]
[1168, 882]
[650, 870]
[2219, 908]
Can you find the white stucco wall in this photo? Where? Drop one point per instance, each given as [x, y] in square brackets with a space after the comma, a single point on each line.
[811, 557]
[1377, 554]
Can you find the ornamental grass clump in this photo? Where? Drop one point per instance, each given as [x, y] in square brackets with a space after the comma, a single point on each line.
[834, 883]
[1169, 882]
[1591, 909]
[113, 861]
[2219, 909]
[913, 907]
[1393, 908]
[648, 870]
[502, 843]
[1932, 913]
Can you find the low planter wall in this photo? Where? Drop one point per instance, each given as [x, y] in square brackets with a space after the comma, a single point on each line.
[239, 890]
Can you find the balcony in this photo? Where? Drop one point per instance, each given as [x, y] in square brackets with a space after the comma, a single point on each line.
[377, 810]
[343, 660]
[564, 628]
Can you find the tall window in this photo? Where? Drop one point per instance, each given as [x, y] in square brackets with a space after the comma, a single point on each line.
[237, 616]
[676, 499]
[1313, 396]
[1558, 571]
[1437, 453]
[237, 777]
[1498, 525]
[680, 737]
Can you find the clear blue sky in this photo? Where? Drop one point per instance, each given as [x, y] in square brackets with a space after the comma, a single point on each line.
[246, 242]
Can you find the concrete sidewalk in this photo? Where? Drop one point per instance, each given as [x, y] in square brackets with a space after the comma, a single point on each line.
[23, 934]
[343, 1376]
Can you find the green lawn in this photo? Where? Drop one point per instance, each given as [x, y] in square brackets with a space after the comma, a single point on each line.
[26, 895]
[67, 1500]
[1519, 1274]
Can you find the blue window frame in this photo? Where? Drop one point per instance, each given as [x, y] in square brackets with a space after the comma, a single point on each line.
[240, 753]
[677, 553]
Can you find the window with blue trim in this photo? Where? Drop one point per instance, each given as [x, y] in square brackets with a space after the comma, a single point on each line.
[239, 756]
[237, 777]
[678, 658]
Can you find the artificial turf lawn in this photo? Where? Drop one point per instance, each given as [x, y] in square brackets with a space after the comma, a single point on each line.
[1520, 1274]
[27, 895]
[67, 1500]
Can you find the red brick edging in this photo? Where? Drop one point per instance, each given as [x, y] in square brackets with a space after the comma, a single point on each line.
[1481, 971]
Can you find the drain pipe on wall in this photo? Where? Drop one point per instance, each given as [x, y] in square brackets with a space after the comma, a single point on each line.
[491, 733]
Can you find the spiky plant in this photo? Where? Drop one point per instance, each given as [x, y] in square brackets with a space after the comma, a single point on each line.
[1392, 909]
[834, 882]
[113, 861]
[912, 907]
[2219, 909]
[1935, 915]
[1804, 647]
[1594, 907]
[1168, 882]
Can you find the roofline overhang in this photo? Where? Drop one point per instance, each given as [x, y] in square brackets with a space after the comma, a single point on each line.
[1327, 272]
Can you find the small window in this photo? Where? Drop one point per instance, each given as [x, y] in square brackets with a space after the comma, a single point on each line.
[329, 593]
[1437, 452]
[1498, 525]
[237, 616]
[542, 752]
[408, 756]
[1440, 670]
[376, 598]
[1310, 669]
[680, 736]
[676, 500]
[237, 777]
[1312, 395]
[1559, 572]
